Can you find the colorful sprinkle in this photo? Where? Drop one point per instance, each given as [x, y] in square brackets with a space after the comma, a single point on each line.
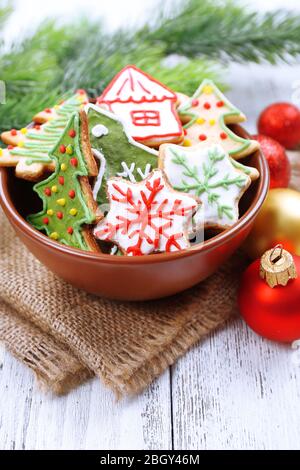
[200, 120]
[50, 212]
[184, 132]
[24, 130]
[37, 127]
[223, 136]
[54, 235]
[13, 132]
[220, 104]
[59, 215]
[48, 110]
[80, 91]
[10, 147]
[207, 105]
[187, 143]
[21, 144]
[62, 148]
[1, 152]
[72, 193]
[207, 89]
[63, 167]
[70, 230]
[45, 220]
[47, 191]
[69, 150]
[61, 180]
[212, 122]
[195, 102]
[74, 161]
[61, 201]
[73, 211]
[202, 137]
[72, 133]
[54, 188]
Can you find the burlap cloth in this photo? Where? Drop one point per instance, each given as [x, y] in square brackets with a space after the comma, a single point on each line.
[65, 335]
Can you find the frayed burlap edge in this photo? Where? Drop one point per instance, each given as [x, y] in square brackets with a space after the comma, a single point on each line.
[54, 367]
[142, 375]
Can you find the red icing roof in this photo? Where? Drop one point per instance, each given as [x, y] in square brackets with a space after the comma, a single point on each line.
[133, 85]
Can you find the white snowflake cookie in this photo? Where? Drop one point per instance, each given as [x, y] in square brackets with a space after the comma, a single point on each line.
[146, 217]
[209, 174]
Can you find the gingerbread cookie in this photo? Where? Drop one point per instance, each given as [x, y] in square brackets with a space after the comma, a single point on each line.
[147, 217]
[206, 115]
[68, 205]
[28, 148]
[117, 152]
[208, 173]
[146, 106]
[62, 110]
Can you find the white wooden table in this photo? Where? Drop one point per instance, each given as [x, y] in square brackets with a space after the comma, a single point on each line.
[232, 391]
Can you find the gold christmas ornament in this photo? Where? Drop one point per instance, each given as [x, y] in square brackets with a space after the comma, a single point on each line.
[277, 267]
[278, 222]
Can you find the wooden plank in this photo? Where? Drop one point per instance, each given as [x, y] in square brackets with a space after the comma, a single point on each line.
[16, 383]
[87, 418]
[236, 391]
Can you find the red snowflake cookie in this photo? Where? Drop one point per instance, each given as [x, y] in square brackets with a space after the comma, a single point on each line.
[147, 217]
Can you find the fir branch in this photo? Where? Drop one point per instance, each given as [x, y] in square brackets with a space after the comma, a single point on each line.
[53, 61]
[101, 56]
[222, 30]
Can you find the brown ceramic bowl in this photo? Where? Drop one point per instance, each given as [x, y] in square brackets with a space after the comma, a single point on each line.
[132, 278]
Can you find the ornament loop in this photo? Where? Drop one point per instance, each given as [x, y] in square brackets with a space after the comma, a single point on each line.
[277, 270]
[278, 257]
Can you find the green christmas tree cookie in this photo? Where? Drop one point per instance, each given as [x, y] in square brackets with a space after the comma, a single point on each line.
[67, 196]
[206, 115]
[118, 153]
[28, 148]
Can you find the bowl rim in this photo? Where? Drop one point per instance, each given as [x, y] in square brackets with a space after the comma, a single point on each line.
[11, 212]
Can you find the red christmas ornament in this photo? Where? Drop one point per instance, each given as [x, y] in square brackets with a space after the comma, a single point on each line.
[269, 296]
[279, 165]
[281, 121]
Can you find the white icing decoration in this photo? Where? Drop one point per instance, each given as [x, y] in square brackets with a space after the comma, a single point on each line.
[99, 130]
[114, 250]
[100, 175]
[128, 172]
[131, 224]
[209, 174]
[146, 173]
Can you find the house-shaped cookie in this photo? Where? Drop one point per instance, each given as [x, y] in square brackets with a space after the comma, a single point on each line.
[146, 106]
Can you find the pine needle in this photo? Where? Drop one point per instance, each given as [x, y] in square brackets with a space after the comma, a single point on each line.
[179, 48]
[222, 30]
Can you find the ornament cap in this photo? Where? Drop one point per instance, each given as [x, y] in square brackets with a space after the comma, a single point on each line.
[277, 267]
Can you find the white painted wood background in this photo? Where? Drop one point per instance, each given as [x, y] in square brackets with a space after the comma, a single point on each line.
[232, 391]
